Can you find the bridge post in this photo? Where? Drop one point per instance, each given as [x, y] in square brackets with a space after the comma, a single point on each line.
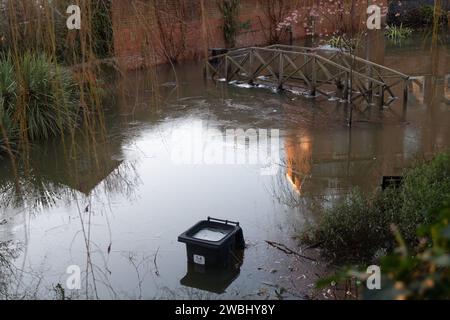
[316, 70]
[314, 77]
[346, 87]
[280, 72]
[381, 96]
[370, 84]
[227, 76]
[405, 94]
[250, 80]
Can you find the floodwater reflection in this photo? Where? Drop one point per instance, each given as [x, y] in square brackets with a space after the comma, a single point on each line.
[116, 207]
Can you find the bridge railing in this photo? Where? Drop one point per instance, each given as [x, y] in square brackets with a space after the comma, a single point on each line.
[328, 72]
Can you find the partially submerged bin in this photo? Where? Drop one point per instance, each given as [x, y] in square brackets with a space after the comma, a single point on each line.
[213, 279]
[212, 242]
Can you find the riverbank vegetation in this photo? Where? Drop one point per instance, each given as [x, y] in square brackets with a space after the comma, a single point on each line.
[419, 16]
[404, 230]
[41, 27]
[38, 98]
[49, 87]
[421, 272]
[49, 74]
[357, 230]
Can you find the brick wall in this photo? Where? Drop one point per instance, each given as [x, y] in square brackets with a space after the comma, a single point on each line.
[141, 39]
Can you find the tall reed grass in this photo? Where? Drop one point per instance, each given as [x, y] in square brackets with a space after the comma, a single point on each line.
[47, 91]
[49, 77]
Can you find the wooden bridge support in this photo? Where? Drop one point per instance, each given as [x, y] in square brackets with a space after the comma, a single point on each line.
[318, 70]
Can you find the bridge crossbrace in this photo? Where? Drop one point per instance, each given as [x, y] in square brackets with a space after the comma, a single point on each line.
[332, 73]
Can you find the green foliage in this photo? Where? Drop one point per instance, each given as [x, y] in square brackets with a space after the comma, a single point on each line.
[34, 27]
[100, 39]
[418, 18]
[398, 33]
[424, 189]
[103, 31]
[426, 14]
[421, 274]
[231, 25]
[36, 95]
[424, 274]
[246, 25]
[357, 229]
[50, 97]
[8, 90]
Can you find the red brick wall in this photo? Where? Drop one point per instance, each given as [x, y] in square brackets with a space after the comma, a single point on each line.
[137, 35]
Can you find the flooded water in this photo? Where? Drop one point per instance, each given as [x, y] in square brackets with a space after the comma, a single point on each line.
[116, 207]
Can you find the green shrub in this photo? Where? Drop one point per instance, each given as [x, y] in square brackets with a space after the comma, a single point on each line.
[423, 273]
[418, 17]
[37, 98]
[424, 189]
[18, 29]
[426, 15]
[355, 229]
[358, 229]
[8, 90]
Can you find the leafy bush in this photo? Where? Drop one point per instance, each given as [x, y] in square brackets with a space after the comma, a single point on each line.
[37, 98]
[424, 189]
[19, 21]
[426, 274]
[426, 15]
[405, 275]
[357, 230]
[415, 17]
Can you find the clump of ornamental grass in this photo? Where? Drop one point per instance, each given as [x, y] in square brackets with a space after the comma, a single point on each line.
[398, 33]
[38, 99]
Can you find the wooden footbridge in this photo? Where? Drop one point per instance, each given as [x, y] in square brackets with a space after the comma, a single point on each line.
[332, 73]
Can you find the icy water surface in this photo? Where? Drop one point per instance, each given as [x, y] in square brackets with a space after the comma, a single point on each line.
[115, 209]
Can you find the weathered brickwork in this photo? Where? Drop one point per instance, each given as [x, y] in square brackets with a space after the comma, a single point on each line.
[177, 31]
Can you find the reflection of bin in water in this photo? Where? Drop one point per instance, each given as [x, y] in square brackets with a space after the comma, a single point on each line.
[211, 243]
[213, 279]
